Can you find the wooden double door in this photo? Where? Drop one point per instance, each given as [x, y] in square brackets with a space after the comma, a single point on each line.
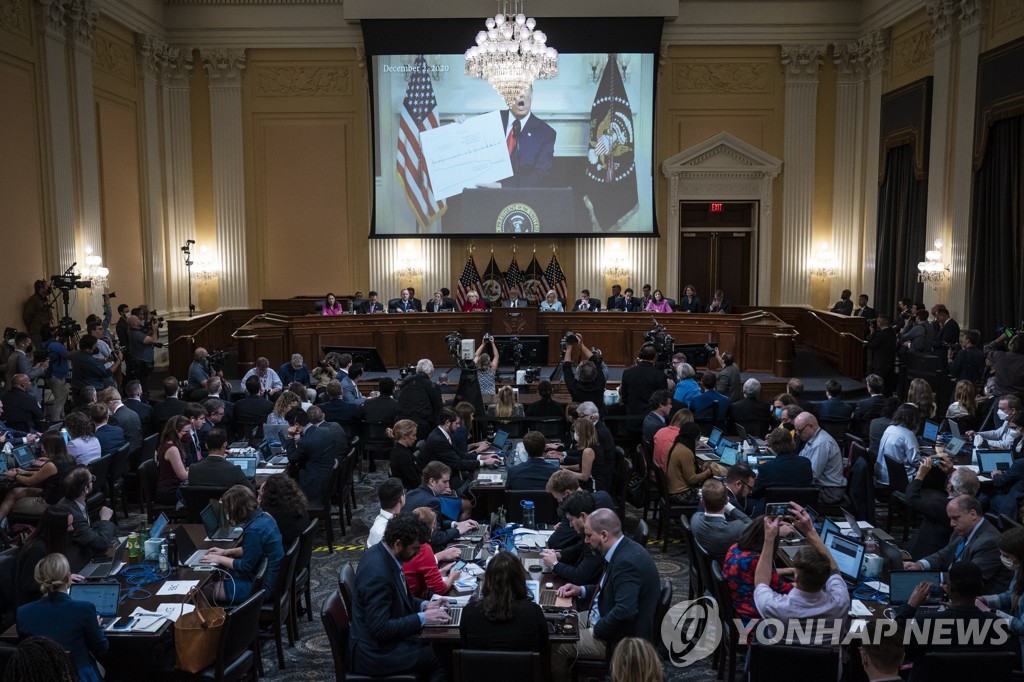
[716, 249]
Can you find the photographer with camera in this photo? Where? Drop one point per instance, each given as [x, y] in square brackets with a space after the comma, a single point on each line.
[486, 366]
[586, 383]
[37, 313]
[19, 363]
[200, 371]
[143, 337]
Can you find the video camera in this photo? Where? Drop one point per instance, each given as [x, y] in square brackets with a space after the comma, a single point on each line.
[406, 372]
[532, 374]
[1008, 331]
[146, 323]
[454, 341]
[516, 348]
[569, 339]
[664, 346]
[216, 359]
[69, 281]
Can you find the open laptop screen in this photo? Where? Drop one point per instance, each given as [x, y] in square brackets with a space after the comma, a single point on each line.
[728, 452]
[903, 583]
[991, 460]
[500, 439]
[848, 554]
[246, 464]
[23, 455]
[931, 431]
[716, 435]
[104, 596]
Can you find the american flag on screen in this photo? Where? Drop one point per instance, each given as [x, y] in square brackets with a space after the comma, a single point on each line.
[556, 278]
[417, 116]
[468, 281]
[514, 279]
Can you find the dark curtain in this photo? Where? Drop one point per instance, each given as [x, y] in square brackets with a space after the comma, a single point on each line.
[902, 217]
[997, 287]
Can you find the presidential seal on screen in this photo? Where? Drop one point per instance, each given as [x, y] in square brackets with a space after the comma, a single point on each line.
[517, 219]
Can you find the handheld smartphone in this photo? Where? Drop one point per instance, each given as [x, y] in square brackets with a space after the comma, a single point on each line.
[776, 509]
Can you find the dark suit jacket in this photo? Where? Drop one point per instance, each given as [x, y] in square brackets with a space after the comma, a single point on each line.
[396, 305]
[252, 410]
[615, 303]
[383, 638]
[933, 533]
[422, 496]
[633, 305]
[145, 413]
[21, 411]
[717, 533]
[314, 455]
[111, 437]
[628, 598]
[564, 536]
[534, 155]
[882, 351]
[834, 408]
[981, 550]
[533, 474]
[216, 472]
[843, 307]
[69, 622]
[753, 415]
[131, 424]
[869, 408]
[170, 407]
[338, 410]
[638, 383]
[702, 405]
[339, 434]
[379, 410]
[593, 305]
[785, 471]
[867, 312]
[364, 308]
[87, 540]
[437, 447]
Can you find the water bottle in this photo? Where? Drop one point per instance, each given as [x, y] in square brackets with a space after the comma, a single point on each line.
[172, 549]
[165, 564]
[528, 520]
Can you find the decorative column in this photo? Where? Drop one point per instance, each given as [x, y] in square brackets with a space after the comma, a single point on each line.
[971, 23]
[153, 59]
[874, 52]
[61, 164]
[224, 68]
[801, 64]
[848, 173]
[180, 204]
[941, 13]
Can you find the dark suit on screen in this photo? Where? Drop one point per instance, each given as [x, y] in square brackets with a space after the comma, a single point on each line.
[534, 154]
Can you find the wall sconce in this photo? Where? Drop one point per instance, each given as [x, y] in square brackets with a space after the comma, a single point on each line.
[94, 269]
[205, 267]
[823, 264]
[408, 264]
[932, 270]
[616, 264]
[597, 64]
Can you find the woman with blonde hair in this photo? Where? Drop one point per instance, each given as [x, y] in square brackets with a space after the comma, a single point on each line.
[506, 407]
[965, 403]
[635, 660]
[403, 463]
[285, 402]
[73, 624]
[551, 303]
[595, 464]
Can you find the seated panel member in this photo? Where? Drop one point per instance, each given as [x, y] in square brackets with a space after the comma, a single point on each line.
[371, 305]
[616, 300]
[436, 478]
[403, 304]
[586, 304]
[386, 620]
[551, 304]
[630, 303]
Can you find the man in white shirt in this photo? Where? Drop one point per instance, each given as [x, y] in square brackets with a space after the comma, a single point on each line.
[392, 498]
[826, 459]
[1001, 438]
[270, 381]
[820, 591]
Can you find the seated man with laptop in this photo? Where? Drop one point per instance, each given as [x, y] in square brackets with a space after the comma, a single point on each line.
[87, 539]
[533, 474]
[214, 470]
[435, 493]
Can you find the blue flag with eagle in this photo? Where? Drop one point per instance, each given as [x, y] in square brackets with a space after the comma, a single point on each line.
[611, 183]
[534, 286]
[514, 279]
[493, 283]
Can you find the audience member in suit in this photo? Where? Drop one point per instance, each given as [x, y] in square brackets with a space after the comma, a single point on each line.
[88, 540]
[586, 304]
[170, 406]
[382, 409]
[739, 482]
[71, 623]
[947, 330]
[728, 380]
[545, 407]
[283, 499]
[719, 304]
[111, 437]
[133, 401]
[967, 362]
[720, 524]
[930, 504]
[253, 409]
[533, 474]
[505, 618]
[20, 407]
[878, 425]
[575, 562]
[863, 309]
[795, 388]
[749, 412]
[844, 306]
[216, 417]
[871, 407]
[214, 470]
[403, 463]
[440, 448]
[311, 455]
[371, 305]
[192, 447]
[622, 605]
[122, 416]
[419, 399]
[965, 585]
[709, 405]
[654, 421]
[349, 389]
[786, 470]
[882, 352]
[435, 485]
[336, 408]
[833, 407]
[337, 431]
[386, 621]
[974, 539]
[560, 486]
[641, 381]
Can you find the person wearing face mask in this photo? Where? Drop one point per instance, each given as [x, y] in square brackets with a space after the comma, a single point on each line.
[1008, 486]
[779, 405]
[1001, 438]
[1009, 605]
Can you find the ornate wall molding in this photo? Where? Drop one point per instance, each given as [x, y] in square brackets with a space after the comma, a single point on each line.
[1007, 11]
[803, 61]
[850, 59]
[912, 51]
[302, 81]
[112, 56]
[54, 18]
[972, 12]
[876, 51]
[941, 12]
[178, 63]
[83, 17]
[14, 17]
[721, 77]
[223, 65]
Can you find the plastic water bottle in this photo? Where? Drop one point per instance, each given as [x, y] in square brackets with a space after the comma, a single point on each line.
[172, 549]
[165, 564]
[528, 519]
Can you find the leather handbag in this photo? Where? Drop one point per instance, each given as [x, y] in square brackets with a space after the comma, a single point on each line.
[197, 634]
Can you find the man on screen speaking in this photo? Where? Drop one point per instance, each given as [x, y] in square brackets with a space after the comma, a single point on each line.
[530, 142]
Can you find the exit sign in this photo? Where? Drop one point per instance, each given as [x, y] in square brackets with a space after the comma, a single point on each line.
[716, 208]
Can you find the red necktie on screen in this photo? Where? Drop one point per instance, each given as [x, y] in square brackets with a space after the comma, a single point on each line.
[513, 136]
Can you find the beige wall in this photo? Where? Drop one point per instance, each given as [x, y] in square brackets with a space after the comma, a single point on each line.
[1005, 23]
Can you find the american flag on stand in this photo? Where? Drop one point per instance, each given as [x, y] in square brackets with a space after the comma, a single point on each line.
[556, 278]
[514, 280]
[469, 281]
[417, 116]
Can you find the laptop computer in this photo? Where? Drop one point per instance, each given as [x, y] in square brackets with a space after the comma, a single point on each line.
[847, 553]
[104, 596]
[3, 463]
[930, 432]
[158, 527]
[272, 433]
[955, 446]
[499, 442]
[246, 464]
[954, 428]
[854, 525]
[728, 452]
[714, 437]
[992, 460]
[105, 569]
[829, 526]
[23, 456]
[903, 583]
[216, 524]
[188, 554]
[454, 613]
[742, 434]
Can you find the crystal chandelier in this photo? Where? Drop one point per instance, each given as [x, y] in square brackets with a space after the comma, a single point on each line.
[94, 270]
[511, 54]
[932, 270]
[823, 264]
